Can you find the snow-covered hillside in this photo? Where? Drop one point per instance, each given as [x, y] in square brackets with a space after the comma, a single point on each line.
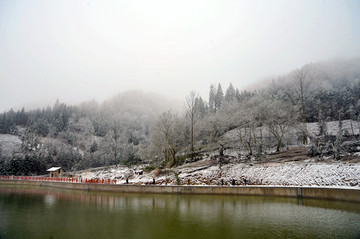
[309, 172]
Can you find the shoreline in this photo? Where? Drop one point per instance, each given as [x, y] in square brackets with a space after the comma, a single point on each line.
[314, 192]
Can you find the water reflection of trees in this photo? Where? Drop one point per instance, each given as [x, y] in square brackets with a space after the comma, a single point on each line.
[203, 211]
[199, 205]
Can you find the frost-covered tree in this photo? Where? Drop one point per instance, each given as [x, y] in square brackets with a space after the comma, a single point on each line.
[278, 121]
[219, 98]
[41, 126]
[246, 136]
[230, 95]
[166, 138]
[340, 119]
[298, 93]
[247, 129]
[237, 95]
[322, 125]
[210, 128]
[352, 113]
[190, 115]
[212, 94]
[201, 108]
[337, 144]
[114, 138]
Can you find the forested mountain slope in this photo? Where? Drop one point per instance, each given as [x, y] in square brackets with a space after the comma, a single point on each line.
[78, 137]
[135, 127]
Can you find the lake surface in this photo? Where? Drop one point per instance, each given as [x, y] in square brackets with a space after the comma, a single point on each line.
[34, 212]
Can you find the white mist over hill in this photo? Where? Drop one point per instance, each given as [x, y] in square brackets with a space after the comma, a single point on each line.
[76, 51]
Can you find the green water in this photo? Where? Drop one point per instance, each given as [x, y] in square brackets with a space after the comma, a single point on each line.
[36, 212]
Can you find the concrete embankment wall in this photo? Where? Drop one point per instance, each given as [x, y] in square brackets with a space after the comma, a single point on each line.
[305, 192]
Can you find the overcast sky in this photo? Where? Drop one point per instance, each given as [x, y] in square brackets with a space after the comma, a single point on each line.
[82, 50]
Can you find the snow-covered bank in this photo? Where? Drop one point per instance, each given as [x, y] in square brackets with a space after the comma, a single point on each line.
[207, 172]
[291, 174]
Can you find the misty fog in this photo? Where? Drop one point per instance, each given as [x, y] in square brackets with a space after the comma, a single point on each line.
[76, 51]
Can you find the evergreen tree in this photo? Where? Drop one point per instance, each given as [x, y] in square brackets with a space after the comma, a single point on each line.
[212, 94]
[21, 117]
[2, 123]
[237, 95]
[230, 95]
[200, 107]
[219, 98]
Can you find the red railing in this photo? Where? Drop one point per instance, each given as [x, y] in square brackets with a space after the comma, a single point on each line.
[60, 179]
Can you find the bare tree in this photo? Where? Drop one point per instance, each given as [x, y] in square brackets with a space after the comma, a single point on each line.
[352, 113]
[165, 137]
[246, 131]
[209, 128]
[250, 130]
[298, 92]
[278, 121]
[190, 115]
[246, 136]
[165, 126]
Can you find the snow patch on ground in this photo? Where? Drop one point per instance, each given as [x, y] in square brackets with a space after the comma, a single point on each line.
[298, 174]
[333, 127]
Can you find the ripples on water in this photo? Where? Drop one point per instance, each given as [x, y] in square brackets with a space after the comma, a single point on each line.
[49, 213]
